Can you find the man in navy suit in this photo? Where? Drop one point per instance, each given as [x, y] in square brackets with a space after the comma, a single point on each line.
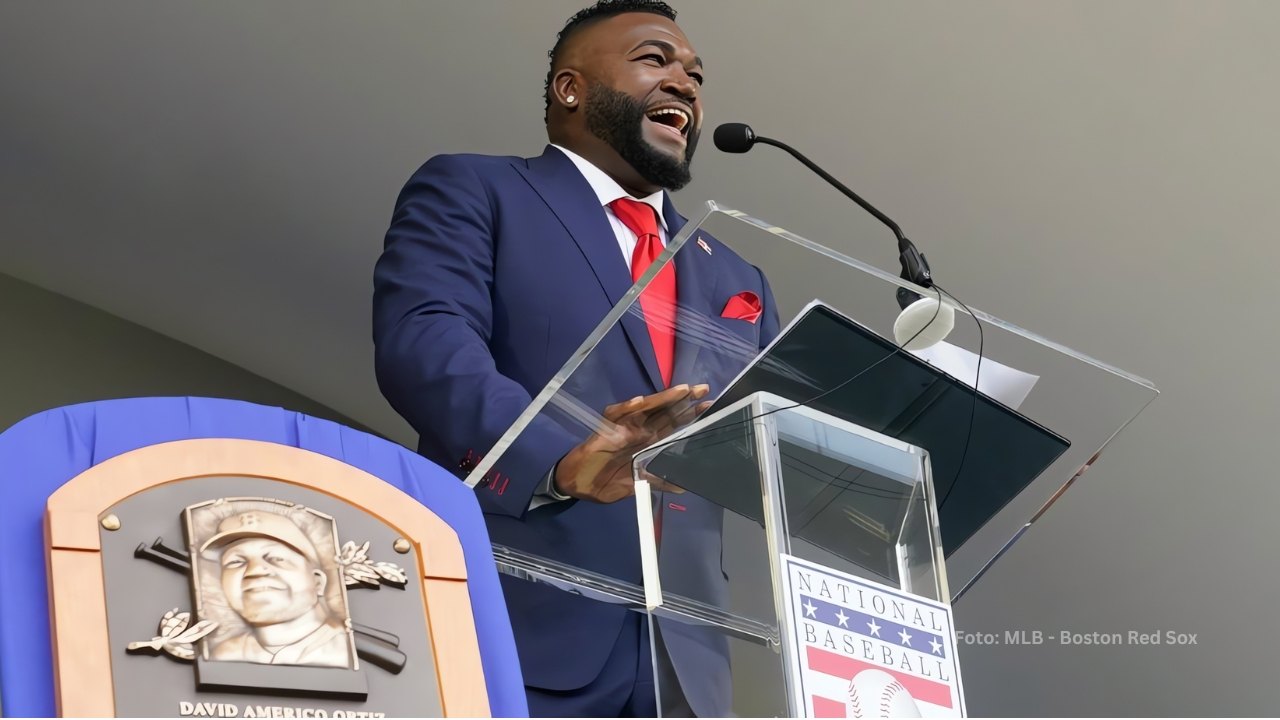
[495, 270]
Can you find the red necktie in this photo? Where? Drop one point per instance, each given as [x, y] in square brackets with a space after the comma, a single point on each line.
[658, 301]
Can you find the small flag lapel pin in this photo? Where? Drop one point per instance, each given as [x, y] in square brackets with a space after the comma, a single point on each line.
[703, 244]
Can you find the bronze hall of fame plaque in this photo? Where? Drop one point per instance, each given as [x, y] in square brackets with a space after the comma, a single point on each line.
[232, 578]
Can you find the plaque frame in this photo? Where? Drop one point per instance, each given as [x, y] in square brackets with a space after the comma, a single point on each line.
[74, 519]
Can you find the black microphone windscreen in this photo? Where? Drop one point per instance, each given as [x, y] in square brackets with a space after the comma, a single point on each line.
[734, 137]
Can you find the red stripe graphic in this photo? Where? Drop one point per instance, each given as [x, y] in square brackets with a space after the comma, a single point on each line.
[824, 708]
[846, 667]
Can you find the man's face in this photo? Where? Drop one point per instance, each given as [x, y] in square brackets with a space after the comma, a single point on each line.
[644, 94]
[268, 582]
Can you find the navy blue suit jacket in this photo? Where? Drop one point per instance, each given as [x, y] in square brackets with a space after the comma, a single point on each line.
[495, 269]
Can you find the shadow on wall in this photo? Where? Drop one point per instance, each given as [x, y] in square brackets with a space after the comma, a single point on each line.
[55, 351]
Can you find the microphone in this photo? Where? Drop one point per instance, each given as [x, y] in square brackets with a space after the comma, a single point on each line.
[734, 137]
[926, 319]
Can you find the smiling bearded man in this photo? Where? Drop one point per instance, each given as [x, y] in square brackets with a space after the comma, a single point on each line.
[494, 271]
[619, 119]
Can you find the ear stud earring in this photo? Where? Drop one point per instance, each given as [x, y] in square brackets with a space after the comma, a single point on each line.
[570, 99]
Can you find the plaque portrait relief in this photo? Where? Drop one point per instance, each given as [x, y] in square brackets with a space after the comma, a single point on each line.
[269, 582]
[266, 573]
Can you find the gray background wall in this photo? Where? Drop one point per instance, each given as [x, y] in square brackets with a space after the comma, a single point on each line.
[57, 351]
[221, 173]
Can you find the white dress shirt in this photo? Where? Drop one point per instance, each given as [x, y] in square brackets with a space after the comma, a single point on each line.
[607, 190]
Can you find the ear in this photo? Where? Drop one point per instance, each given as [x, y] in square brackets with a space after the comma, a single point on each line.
[568, 86]
[322, 581]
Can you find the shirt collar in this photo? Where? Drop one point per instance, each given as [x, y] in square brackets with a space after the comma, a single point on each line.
[606, 188]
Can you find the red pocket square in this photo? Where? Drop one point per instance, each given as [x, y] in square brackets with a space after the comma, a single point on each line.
[743, 306]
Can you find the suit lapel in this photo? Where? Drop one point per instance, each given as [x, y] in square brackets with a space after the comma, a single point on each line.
[695, 287]
[570, 197]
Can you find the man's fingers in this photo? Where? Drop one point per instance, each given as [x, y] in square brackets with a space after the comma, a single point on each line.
[616, 411]
[657, 402]
[645, 419]
[672, 396]
[679, 414]
[638, 410]
[676, 405]
[660, 400]
[680, 407]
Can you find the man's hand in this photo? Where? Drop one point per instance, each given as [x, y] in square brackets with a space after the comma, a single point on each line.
[600, 468]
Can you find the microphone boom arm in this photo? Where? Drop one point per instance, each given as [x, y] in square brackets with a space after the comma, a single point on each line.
[914, 265]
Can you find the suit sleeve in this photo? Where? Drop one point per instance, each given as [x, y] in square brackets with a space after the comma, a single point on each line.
[432, 323]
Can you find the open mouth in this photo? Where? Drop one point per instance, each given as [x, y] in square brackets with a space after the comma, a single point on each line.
[673, 118]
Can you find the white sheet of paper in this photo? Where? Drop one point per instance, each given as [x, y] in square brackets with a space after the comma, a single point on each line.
[1008, 385]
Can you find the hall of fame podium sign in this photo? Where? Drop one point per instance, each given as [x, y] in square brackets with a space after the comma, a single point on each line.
[235, 578]
[867, 650]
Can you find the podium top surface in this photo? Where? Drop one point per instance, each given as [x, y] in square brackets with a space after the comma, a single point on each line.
[982, 452]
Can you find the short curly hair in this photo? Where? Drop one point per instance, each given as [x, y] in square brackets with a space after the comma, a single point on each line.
[603, 9]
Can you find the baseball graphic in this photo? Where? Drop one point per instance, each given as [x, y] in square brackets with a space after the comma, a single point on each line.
[877, 694]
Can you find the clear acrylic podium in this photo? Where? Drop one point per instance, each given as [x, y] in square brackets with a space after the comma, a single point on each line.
[783, 477]
[797, 482]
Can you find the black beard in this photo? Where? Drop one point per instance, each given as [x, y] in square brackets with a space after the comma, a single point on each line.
[617, 118]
